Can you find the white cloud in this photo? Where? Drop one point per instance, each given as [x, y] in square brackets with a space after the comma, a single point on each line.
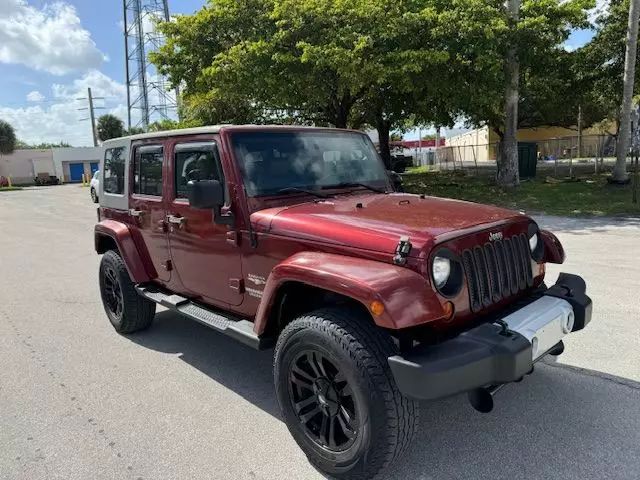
[60, 121]
[35, 96]
[101, 86]
[50, 39]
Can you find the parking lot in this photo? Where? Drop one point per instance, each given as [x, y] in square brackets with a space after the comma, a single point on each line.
[78, 401]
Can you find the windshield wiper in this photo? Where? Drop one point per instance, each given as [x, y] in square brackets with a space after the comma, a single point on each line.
[302, 190]
[354, 184]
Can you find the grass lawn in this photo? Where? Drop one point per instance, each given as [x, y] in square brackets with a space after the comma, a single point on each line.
[590, 196]
[9, 189]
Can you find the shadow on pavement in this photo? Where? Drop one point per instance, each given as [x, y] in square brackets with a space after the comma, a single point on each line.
[561, 422]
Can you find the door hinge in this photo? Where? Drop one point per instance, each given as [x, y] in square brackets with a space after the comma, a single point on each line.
[233, 238]
[168, 265]
[402, 251]
[237, 284]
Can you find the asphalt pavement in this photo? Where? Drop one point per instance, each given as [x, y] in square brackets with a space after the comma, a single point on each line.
[78, 401]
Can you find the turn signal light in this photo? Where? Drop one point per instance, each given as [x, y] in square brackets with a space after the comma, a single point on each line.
[377, 308]
[449, 310]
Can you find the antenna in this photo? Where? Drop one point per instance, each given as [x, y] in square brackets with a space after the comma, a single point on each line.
[149, 97]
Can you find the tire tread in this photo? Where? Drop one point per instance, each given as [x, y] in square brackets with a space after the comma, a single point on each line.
[369, 347]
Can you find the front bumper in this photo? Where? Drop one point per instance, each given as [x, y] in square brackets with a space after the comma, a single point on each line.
[495, 353]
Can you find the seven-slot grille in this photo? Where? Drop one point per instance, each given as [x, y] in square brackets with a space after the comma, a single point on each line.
[497, 270]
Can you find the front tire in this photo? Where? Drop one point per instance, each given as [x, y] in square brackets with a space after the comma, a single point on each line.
[337, 394]
[94, 195]
[128, 312]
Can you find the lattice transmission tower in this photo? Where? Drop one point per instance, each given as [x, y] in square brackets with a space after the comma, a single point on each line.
[149, 97]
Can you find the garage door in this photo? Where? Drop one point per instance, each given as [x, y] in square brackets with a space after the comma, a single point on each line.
[76, 170]
[94, 167]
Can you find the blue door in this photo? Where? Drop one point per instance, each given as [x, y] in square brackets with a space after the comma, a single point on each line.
[76, 170]
[94, 167]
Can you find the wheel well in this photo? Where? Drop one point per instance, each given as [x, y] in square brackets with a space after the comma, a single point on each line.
[294, 299]
[104, 243]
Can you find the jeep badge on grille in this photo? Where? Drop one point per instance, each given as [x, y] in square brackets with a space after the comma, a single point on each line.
[495, 236]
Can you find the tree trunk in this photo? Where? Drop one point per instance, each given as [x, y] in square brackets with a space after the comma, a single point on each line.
[342, 116]
[384, 130]
[620, 170]
[508, 175]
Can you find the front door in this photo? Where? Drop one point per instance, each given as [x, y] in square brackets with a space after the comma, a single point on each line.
[147, 207]
[207, 262]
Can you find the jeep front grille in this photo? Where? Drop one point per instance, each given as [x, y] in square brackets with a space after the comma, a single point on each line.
[497, 270]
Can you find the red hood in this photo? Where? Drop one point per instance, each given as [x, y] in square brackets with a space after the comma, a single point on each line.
[376, 222]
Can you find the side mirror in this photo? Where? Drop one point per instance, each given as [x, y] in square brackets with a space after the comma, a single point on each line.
[209, 195]
[396, 180]
[205, 194]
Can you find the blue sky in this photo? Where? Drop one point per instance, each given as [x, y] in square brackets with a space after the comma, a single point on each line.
[50, 51]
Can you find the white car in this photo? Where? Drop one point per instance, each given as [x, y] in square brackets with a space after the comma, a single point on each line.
[95, 186]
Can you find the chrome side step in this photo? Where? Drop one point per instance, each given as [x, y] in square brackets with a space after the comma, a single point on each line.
[236, 328]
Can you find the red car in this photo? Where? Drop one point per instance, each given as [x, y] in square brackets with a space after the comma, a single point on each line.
[374, 300]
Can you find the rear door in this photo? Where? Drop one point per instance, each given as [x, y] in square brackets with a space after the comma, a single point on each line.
[204, 254]
[147, 206]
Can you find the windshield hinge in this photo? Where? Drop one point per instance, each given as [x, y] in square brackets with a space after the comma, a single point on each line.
[402, 251]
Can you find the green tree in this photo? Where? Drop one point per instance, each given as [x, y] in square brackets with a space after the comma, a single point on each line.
[109, 126]
[164, 124]
[134, 131]
[322, 62]
[547, 93]
[42, 146]
[8, 138]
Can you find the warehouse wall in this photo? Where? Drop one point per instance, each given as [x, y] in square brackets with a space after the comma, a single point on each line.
[23, 165]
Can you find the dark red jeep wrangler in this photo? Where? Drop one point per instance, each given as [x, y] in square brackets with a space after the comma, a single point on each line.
[373, 299]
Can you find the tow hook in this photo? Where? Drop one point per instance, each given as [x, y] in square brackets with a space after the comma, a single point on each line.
[482, 398]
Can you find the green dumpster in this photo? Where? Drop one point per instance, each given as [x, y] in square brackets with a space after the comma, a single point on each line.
[527, 159]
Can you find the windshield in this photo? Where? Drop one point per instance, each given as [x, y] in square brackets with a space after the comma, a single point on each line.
[286, 162]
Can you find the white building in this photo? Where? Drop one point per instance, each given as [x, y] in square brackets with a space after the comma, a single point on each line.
[23, 166]
[68, 164]
[72, 163]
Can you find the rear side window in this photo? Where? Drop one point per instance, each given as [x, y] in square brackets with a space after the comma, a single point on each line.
[113, 177]
[147, 171]
[195, 161]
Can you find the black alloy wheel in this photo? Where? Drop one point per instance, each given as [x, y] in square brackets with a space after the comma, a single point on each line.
[323, 401]
[114, 300]
[337, 395]
[127, 311]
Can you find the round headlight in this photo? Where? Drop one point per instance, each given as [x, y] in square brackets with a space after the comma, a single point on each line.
[441, 271]
[535, 243]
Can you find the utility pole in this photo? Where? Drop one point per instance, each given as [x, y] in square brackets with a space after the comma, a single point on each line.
[620, 170]
[92, 115]
[580, 132]
[435, 160]
[508, 175]
[93, 118]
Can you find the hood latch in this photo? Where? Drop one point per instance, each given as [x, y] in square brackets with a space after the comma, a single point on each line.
[402, 251]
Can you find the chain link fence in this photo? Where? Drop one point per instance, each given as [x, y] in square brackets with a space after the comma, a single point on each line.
[557, 157]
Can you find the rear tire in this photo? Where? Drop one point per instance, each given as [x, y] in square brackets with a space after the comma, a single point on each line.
[128, 312]
[337, 394]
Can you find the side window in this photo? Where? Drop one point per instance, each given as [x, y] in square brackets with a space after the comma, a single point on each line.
[147, 171]
[113, 176]
[195, 161]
